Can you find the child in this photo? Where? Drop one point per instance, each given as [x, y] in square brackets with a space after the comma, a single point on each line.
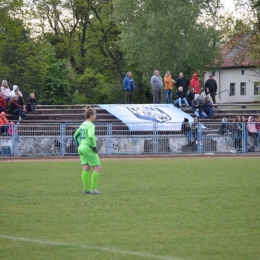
[31, 103]
[3, 123]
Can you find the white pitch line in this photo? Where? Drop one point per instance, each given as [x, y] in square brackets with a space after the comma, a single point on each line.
[106, 249]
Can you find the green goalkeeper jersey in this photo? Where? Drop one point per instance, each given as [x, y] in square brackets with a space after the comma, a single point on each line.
[85, 135]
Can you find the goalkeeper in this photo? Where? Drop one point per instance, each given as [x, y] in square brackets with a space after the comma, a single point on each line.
[86, 141]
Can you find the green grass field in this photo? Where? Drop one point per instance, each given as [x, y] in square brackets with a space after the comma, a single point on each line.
[185, 208]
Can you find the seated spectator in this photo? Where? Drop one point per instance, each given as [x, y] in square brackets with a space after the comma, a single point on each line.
[18, 93]
[16, 109]
[252, 130]
[179, 98]
[205, 94]
[237, 132]
[4, 124]
[186, 129]
[197, 107]
[31, 103]
[6, 92]
[2, 102]
[208, 107]
[224, 129]
[191, 96]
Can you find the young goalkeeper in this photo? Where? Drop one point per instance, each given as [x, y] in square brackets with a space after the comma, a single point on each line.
[86, 141]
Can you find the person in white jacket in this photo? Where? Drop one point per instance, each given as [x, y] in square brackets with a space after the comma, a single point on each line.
[17, 92]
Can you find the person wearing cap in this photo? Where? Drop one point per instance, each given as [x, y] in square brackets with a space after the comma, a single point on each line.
[198, 106]
[211, 84]
[195, 83]
[3, 123]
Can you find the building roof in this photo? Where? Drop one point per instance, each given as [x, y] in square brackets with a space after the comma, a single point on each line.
[236, 53]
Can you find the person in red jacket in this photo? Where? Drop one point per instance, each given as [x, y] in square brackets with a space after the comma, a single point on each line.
[2, 102]
[195, 83]
[3, 123]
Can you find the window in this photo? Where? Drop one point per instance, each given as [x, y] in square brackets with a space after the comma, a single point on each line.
[256, 88]
[242, 72]
[242, 88]
[232, 89]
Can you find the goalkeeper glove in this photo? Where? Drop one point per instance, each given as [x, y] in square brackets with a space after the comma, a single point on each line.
[94, 149]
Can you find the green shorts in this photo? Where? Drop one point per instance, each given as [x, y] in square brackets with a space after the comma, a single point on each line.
[88, 156]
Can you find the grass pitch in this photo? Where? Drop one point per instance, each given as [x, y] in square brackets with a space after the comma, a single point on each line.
[201, 208]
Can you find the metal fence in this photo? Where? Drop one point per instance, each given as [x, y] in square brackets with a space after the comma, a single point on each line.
[135, 138]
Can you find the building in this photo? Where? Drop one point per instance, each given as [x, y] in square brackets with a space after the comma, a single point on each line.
[239, 78]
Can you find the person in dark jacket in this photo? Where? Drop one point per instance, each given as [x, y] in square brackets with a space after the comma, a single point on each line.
[181, 82]
[16, 109]
[191, 96]
[211, 84]
[180, 98]
[208, 107]
[129, 85]
[31, 103]
[186, 129]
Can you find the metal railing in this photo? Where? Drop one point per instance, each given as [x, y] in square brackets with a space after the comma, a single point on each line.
[134, 138]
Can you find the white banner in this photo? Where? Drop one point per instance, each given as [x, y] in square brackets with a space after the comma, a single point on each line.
[143, 116]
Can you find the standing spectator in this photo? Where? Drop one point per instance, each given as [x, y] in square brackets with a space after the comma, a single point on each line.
[179, 98]
[252, 130]
[208, 107]
[3, 123]
[195, 83]
[205, 94]
[191, 96]
[157, 85]
[129, 85]
[16, 109]
[258, 129]
[224, 129]
[211, 84]
[198, 106]
[6, 92]
[31, 103]
[2, 102]
[194, 128]
[186, 129]
[18, 93]
[237, 132]
[168, 87]
[86, 141]
[181, 82]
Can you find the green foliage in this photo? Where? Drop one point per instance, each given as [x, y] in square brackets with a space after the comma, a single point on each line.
[200, 209]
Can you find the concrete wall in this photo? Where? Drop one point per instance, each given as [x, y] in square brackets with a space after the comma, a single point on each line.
[226, 76]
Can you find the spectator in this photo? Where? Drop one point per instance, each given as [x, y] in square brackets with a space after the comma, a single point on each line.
[129, 85]
[194, 128]
[6, 92]
[197, 107]
[191, 96]
[224, 127]
[16, 109]
[179, 98]
[258, 129]
[237, 132]
[157, 85]
[181, 82]
[208, 107]
[31, 103]
[205, 94]
[252, 130]
[211, 84]
[186, 129]
[168, 87]
[194, 83]
[18, 93]
[2, 102]
[3, 123]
